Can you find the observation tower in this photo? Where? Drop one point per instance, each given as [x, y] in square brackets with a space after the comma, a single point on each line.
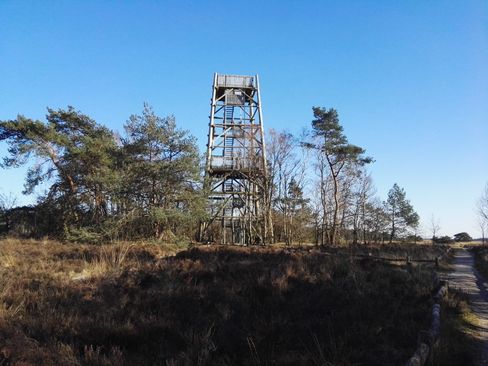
[235, 170]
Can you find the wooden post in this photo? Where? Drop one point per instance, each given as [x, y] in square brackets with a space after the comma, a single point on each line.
[409, 264]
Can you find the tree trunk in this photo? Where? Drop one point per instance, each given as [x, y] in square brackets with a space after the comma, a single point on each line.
[393, 229]
[333, 229]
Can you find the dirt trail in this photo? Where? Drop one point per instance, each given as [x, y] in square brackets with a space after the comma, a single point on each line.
[466, 278]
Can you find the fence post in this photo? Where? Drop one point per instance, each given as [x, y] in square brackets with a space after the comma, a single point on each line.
[409, 264]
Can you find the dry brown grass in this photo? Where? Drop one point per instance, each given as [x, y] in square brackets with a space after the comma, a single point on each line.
[140, 304]
[43, 285]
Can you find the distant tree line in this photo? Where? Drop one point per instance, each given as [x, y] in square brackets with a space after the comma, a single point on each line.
[446, 239]
[147, 182]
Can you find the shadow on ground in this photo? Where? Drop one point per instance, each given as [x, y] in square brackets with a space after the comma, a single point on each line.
[215, 306]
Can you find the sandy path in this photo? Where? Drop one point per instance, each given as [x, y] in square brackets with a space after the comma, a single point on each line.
[466, 278]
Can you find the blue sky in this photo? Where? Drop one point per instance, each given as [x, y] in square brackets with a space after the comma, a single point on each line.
[409, 79]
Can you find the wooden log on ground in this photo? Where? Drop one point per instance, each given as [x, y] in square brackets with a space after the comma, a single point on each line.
[420, 356]
[436, 320]
[428, 340]
[442, 292]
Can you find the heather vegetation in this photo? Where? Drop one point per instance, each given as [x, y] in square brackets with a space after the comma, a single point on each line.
[147, 304]
[481, 258]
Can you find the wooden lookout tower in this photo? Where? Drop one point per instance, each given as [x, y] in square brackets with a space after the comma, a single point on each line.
[235, 172]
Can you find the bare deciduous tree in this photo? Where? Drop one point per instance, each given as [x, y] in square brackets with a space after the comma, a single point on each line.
[434, 227]
[483, 227]
[483, 204]
[364, 192]
[287, 171]
[7, 202]
[482, 208]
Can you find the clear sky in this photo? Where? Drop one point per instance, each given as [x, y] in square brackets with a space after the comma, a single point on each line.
[409, 78]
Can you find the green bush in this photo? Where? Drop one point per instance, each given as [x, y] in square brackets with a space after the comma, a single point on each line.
[82, 235]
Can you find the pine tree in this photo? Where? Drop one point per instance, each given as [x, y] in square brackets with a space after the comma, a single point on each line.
[338, 153]
[73, 153]
[400, 212]
[162, 169]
